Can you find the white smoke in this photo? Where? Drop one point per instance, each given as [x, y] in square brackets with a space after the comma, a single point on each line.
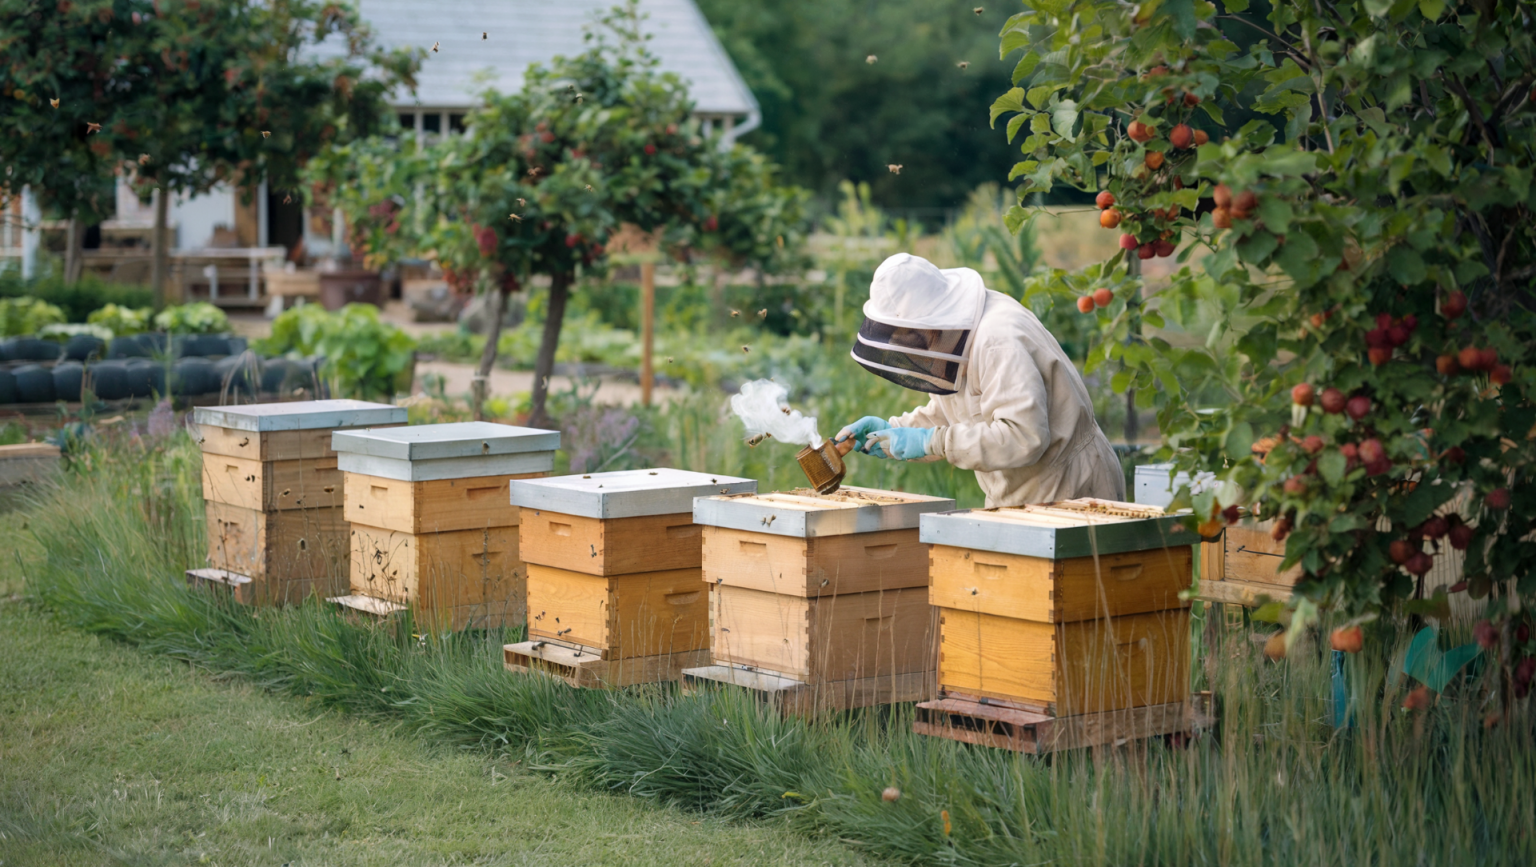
[763, 407]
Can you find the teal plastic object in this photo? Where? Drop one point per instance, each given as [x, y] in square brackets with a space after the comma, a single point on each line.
[1430, 665]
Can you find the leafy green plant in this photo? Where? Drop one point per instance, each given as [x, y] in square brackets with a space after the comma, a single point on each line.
[121, 320]
[64, 330]
[27, 315]
[1367, 246]
[78, 299]
[364, 357]
[199, 317]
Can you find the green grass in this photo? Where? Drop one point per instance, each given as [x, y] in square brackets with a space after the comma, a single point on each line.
[109, 755]
[1274, 784]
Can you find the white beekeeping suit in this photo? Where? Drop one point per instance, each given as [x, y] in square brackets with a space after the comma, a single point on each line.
[1006, 401]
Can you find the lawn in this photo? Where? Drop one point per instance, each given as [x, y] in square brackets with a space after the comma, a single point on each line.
[111, 755]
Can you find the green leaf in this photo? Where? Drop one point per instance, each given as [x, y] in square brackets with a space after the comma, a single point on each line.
[1240, 440]
[1210, 107]
[1276, 214]
[1431, 9]
[1423, 502]
[1013, 100]
[1025, 66]
[1014, 123]
[1405, 265]
[1064, 117]
[1332, 466]
[1038, 95]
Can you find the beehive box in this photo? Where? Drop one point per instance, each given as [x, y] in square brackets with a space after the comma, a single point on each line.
[430, 525]
[1242, 567]
[615, 592]
[1062, 610]
[273, 495]
[820, 602]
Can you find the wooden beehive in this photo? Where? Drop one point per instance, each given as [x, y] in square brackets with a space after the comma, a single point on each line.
[272, 491]
[431, 528]
[1061, 610]
[820, 602]
[1242, 567]
[615, 592]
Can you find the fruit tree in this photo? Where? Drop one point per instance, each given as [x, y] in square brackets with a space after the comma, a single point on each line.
[542, 179]
[1347, 187]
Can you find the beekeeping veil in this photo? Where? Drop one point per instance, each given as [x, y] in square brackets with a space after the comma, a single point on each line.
[918, 323]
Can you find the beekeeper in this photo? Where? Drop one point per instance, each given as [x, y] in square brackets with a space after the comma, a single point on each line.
[1005, 399]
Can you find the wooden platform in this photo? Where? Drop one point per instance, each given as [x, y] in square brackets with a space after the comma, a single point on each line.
[1018, 728]
[369, 605]
[799, 698]
[28, 463]
[241, 587]
[585, 667]
[1249, 594]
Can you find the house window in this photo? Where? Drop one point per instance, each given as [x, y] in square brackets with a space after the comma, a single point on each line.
[456, 122]
[407, 121]
[432, 123]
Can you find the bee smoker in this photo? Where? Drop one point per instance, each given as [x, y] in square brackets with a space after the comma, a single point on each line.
[823, 464]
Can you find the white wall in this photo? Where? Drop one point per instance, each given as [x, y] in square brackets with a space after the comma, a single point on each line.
[195, 217]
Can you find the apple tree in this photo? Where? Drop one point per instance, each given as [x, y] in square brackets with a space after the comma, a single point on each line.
[542, 179]
[1358, 257]
[184, 94]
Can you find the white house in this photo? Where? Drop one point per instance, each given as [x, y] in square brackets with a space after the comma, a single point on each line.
[481, 44]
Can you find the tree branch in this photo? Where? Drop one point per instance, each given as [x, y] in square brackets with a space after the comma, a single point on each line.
[1476, 113]
[1296, 53]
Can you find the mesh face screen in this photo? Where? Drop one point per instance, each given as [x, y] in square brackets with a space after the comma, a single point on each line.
[926, 361]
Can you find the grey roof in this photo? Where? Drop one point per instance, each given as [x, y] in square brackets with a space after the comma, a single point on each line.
[522, 32]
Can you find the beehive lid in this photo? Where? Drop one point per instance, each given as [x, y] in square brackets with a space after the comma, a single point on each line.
[427, 442]
[299, 415]
[1059, 531]
[625, 493]
[806, 514]
[1154, 488]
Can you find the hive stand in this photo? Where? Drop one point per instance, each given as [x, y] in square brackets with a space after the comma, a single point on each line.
[430, 525]
[820, 602]
[615, 592]
[273, 494]
[1059, 625]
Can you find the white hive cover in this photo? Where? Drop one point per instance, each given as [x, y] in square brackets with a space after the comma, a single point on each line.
[806, 514]
[625, 493]
[1059, 531]
[299, 415]
[427, 442]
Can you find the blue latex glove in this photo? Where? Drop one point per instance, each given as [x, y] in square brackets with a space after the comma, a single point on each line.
[901, 443]
[860, 430]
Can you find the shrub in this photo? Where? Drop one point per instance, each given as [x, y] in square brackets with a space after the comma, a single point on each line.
[364, 357]
[199, 317]
[27, 315]
[77, 300]
[121, 320]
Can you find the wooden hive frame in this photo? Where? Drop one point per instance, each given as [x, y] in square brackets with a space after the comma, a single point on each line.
[820, 602]
[616, 595]
[275, 527]
[432, 529]
[1058, 619]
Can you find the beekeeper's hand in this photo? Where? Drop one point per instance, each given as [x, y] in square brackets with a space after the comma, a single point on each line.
[861, 429]
[901, 443]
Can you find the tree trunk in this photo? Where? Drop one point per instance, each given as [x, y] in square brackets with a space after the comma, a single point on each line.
[559, 290]
[160, 263]
[480, 387]
[74, 249]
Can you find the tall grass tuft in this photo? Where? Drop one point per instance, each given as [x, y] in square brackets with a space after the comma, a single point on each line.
[1273, 784]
